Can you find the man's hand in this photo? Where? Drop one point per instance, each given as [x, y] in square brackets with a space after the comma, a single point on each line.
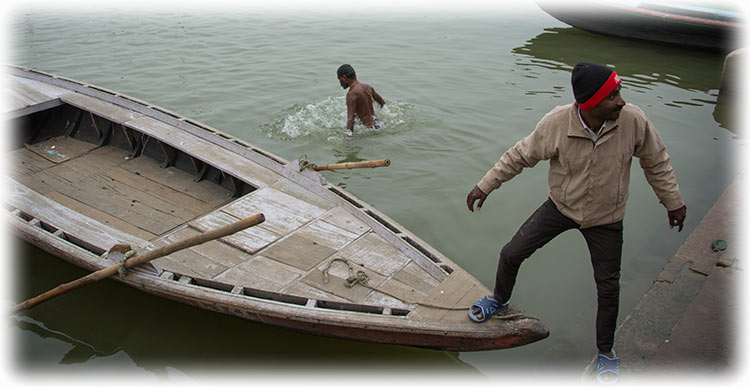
[474, 195]
[677, 217]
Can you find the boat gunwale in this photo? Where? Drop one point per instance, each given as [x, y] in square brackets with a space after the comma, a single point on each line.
[256, 309]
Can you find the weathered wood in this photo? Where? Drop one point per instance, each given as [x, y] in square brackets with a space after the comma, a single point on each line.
[251, 240]
[178, 180]
[205, 151]
[60, 149]
[101, 108]
[139, 260]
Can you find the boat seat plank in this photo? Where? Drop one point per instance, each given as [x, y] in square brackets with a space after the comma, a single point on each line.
[182, 181]
[208, 152]
[298, 252]
[68, 220]
[26, 96]
[377, 253]
[250, 240]
[101, 108]
[260, 273]
[284, 213]
[100, 216]
[327, 234]
[60, 149]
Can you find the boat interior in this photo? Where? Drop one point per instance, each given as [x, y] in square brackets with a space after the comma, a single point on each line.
[98, 161]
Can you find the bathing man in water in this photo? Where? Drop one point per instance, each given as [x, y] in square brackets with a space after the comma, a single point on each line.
[358, 99]
[590, 144]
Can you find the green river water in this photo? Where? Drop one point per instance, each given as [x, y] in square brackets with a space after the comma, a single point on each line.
[461, 87]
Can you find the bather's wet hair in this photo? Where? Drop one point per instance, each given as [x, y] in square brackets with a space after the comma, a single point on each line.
[348, 70]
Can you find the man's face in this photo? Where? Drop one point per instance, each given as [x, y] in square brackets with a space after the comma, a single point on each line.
[342, 81]
[610, 107]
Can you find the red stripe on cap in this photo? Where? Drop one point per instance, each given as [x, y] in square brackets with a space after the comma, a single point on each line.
[602, 93]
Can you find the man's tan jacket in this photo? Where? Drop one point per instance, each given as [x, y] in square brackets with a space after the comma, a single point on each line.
[589, 181]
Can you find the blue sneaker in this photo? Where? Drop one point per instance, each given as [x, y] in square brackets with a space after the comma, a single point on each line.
[608, 369]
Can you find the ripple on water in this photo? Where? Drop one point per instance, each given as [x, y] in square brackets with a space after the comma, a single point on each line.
[326, 120]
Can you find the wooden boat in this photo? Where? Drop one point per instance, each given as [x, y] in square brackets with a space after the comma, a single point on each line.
[91, 168]
[664, 22]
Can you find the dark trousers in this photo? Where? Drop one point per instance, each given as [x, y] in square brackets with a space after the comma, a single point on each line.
[605, 247]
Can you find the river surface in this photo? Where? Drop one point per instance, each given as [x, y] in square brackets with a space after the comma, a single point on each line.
[461, 87]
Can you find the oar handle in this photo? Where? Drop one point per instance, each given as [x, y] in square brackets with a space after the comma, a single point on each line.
[141, 259]
[353, 165]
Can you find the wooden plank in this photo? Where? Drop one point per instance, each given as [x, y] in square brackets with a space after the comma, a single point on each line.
[260, 273]
[327, 234]
[448, 293]
[293, 189]
[250, 240]
[60, 149]
[122, 207]
[375, 253]
[416, 277]
[217, 251]
[299, 252]
[107, 110]
[210, 153]
[304, 290]
[284, 213]
[475, 293]
[70, 221]
[100, 216]
[199, 265]
[340, 217]
[337, 283]
[23, 161]
[184, 201]
[179, 180]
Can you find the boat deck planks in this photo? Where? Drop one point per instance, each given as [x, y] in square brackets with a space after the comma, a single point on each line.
[178, 180]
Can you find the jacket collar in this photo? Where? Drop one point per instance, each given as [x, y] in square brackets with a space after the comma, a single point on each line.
[576, 129]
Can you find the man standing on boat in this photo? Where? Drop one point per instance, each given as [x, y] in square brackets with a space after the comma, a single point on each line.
[590, 145]
[359, 99]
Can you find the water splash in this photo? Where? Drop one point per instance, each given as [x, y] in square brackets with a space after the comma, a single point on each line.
[326, 119]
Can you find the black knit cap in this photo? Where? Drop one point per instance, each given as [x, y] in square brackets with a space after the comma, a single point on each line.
[591, 83]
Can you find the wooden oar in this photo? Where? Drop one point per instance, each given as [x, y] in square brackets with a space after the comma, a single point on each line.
[353, 165]
[141, 259]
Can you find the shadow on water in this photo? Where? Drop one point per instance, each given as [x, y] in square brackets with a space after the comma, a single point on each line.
[102, 319]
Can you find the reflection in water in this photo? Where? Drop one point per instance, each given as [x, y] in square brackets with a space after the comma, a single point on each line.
[562, 48]
[155, 332]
